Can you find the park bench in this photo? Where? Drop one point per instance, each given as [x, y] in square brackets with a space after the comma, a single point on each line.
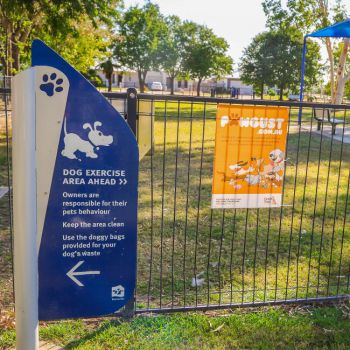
[326, 115]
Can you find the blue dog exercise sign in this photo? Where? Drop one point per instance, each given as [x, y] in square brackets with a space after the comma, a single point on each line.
[87, 177]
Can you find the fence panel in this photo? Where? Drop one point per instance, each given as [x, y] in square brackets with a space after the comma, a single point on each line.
[6, 255]
[192, 257]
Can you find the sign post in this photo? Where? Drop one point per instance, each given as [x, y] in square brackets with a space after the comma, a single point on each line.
[75, 198]
[25, 226]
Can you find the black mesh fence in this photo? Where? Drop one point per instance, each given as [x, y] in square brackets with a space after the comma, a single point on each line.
[193, 257]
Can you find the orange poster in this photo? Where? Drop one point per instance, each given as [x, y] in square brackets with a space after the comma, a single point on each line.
[250, 145]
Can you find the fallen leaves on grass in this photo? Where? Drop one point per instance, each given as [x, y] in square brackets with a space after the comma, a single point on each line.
[7, 320]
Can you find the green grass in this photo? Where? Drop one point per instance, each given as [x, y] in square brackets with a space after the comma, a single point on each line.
[179, 239]
[300, 328]
[6, 300]
[243, 255]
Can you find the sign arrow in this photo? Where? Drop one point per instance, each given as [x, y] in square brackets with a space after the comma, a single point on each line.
[123, 181]
[72, 273]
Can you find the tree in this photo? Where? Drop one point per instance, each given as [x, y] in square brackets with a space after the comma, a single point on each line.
[84, 47]
[205, 54]
[137, 46]
[256, 63]
[308, 16]
[274, 58]
[172, 49]
[23, 20]
[108, 69]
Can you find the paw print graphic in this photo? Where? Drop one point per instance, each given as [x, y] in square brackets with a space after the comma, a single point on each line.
[51, 84]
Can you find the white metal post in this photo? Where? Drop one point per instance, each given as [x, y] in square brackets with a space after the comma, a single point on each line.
[25, 211]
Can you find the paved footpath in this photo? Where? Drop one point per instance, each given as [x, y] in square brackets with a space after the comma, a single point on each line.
[47, 346]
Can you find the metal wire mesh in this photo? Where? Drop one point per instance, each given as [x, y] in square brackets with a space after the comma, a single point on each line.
[193, 257]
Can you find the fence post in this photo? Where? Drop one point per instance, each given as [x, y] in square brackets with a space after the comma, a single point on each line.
[131, 110]
[131, 104]
[25, 211]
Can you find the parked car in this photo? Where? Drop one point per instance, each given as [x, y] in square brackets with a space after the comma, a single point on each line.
[292, 97]
[157, 86]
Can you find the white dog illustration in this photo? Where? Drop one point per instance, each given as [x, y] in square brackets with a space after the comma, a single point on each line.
[277, 159]
[74, 143]
[273, 172]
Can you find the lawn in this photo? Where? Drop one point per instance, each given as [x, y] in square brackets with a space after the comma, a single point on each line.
[6, 300]
[298, 251]
[293, 328]
[241, 255]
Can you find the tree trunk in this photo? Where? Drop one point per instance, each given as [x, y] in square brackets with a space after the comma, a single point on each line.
[323, 6]
[199, 87]
[142, 78]
[141, 82]
[331, 63]
[341, 78]
[262, 91]
[338, 97]
[15, 54]
[8, 70]
[281, 93]
[172, 85]
[109, 78]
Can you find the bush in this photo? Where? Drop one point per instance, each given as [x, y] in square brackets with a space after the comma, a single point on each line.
[95, 79]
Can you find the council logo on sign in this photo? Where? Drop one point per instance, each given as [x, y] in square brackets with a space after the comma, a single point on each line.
[118, 292]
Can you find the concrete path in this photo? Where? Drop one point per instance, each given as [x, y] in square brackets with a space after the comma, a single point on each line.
[327, 132]
[47, 346]
[43, 345]
[3, 191]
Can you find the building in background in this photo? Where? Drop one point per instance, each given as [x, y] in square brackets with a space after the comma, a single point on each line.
[127, 79]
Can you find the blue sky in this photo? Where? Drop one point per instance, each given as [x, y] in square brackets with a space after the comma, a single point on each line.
[238, 21]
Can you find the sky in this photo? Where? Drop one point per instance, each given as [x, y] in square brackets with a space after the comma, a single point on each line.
[238, 21]
[235, 20]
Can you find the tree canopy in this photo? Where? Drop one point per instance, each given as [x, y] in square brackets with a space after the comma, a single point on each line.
[274, 59]
[172, 49]
[205, 54]
[256, 63]
[139, 34]
[63, 24]
[306, 17]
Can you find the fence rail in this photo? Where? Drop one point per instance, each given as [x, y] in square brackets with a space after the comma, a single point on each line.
[192, 257]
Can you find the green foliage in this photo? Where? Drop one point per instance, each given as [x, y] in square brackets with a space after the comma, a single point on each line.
[172, 50]
[257, 63]
[205, 54]
[274, 59]
[301, 15]
[92, 76]
[82, 48]
[136, 47]
[63, 24]
[271, 92]
[347, 90]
